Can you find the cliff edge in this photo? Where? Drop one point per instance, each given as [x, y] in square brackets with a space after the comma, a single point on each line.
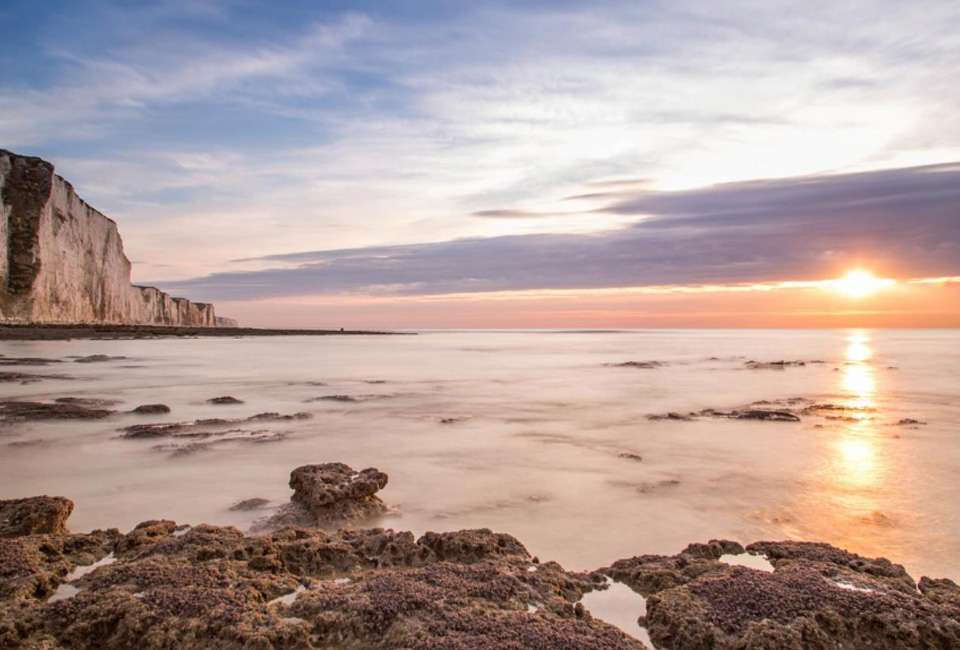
[61, 261]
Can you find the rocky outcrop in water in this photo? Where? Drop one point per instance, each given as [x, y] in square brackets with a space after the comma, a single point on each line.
[330, 494]
[61, 261]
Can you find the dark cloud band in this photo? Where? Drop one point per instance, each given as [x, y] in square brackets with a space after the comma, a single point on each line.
[901, 222]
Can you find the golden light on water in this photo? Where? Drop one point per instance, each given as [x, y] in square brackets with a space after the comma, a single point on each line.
[853, 471]
[860, 283]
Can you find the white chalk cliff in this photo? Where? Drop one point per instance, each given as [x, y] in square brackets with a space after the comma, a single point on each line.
[61, 261]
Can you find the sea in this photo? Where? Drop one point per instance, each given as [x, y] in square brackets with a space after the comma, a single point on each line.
[543, 434]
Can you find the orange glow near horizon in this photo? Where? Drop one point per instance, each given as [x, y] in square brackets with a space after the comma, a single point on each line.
[860, 283]
[905, 302]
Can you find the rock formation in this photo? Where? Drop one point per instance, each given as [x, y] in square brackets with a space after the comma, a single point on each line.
[165, 587]
[330, 494]
[61, 261]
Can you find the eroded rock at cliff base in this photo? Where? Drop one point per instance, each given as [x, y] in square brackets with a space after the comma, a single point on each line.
[330, 494]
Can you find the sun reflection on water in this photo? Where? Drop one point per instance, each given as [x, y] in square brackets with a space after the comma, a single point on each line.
[849, 487]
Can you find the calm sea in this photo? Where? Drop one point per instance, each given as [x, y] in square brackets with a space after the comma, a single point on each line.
[535, 433]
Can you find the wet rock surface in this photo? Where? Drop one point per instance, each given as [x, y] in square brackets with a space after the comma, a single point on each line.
[214, 587]
[817, 597]
[164, 586]
[34, 516]
[329, 494]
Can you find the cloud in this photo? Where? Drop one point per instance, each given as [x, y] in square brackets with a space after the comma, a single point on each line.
[216, 130]
[903, 222]
[518, 214]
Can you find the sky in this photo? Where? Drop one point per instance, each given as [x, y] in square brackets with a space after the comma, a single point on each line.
[509, 164]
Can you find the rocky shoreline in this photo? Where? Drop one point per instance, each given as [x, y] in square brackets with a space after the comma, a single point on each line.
[52, 332]
[297, 585]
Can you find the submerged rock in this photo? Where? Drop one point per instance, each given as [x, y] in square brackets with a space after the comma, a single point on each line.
[151, 409]
[777, 365]
[672, 415]
[767, 415]
[642, 365]
[97, 358]
[26, 361]
[26, 377]
[30, 411]
[249, 504]
[203, 428]
[34, 516]
[226, 399]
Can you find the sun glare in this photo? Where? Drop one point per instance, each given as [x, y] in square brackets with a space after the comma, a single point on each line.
[859, 283]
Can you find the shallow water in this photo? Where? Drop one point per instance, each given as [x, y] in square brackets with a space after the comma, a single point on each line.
[522, 432]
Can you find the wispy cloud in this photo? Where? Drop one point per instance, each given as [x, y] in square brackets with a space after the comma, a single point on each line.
[220, 130]
[901, 222]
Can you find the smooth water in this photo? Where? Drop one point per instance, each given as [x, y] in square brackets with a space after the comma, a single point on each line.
[522, 432]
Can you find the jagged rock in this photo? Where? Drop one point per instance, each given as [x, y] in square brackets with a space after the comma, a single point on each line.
[329, 494]
[818, 598]
[34, 516]
[30, 411]
[32, 566]
[214, 587]
[226, 399]
[943, 591]
[469, 546]
[48, 230]
[151, 409]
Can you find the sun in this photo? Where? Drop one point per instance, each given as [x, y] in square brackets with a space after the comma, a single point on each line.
[859, 283]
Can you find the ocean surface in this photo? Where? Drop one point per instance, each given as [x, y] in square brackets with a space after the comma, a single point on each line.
[536, 433]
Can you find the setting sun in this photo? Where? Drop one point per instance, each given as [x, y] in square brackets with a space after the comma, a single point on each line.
[860, 283]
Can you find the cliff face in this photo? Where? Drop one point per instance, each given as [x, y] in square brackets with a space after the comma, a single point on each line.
[61, 261]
